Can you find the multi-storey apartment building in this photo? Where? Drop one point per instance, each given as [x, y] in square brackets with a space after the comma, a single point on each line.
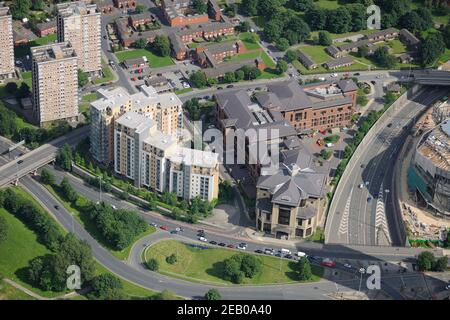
[7, 44]
[154, 160]
[55, 83]
[165, 109]
[79, 24]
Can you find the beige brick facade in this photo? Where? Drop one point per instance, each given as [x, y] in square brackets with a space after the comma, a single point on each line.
[6, 44]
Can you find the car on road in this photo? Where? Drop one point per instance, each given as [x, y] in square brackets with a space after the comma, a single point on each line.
[301, 254]
[362, 165]
[447, 287]
[357, 74]
[258, 251]
[284, 251]
[201, 231]
[154, 224]
[289, 256]
[203, 239]
[366, 183]
[114, 207]
[242, 246]
[268, 251]
[361, 185]
[369, 199]
[328, 263]
[165, 228]
[231, 246]
[222, 244]
[230, 86]
[333, 75]
[213, 242]
[373, 82]
[389, 125]
[20, 161]
[174, 232]
[56, 207]
[348, 265]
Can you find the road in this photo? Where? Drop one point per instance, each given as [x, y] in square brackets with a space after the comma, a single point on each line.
[133, 271]
[39, 157]
[363, 213]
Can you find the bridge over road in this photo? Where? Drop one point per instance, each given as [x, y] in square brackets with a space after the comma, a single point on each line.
[31, 161]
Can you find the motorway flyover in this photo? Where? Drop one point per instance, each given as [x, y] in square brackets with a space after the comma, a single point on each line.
[362, 211]
[31, 161]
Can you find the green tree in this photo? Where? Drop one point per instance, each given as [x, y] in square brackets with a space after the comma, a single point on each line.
[64, 157]
[3, 229]
[304, 269]
[363, 51]
[213, 294]
[282, 44]
[249, 7]
[290, 55]
[431, 48]
[68, 191]
[140, 43]
[38, 5]
[11, 87]
[339, 20]
[317, 18]
[153, 264]
[124, 195]
[281, 66]
[82, 78]
[198, 79]
[251, 265]
[383, 58]
[239, 75]
[165, 295]
[20, 8]
[425, 261]
[229, 77]
[199, 6]
[440, 264]
[47, 177]
[172, 259]
[300, 5]
[106, 287]
[325, 38]
[244, 26]
[140, 8]
[161, 46]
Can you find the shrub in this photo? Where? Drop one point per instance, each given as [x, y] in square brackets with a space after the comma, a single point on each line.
[172, 259]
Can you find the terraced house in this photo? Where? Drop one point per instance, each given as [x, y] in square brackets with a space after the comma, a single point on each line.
[181, 12]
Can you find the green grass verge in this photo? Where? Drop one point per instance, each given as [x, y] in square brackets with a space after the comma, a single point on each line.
[154, 60]
[84, 106]
[184, 90]
[87, 224]
[107, 74]
[246, 38]
[8, 292]
[205, 265]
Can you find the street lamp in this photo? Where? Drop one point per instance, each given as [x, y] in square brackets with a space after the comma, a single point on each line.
[361, 271]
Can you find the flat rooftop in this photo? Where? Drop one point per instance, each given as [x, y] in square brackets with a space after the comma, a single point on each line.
[436, 147]
[54, 51]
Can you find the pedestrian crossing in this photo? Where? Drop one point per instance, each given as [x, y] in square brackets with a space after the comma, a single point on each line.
[381, 226]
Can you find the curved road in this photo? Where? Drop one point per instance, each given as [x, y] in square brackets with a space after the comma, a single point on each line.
[364, 213]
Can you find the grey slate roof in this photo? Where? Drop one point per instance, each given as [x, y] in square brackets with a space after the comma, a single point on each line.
[408, 37]
[306, 60]
[347, 85]
[332, 50]
[289, 96]
[338, 62]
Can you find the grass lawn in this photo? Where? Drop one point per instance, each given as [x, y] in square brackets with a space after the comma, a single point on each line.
[85, 102]
[259, 21]
[8, 292]
[205, 265]
[24, 50]
[154, 60]
[397, 46]
[317, 53]
[107, 74]
[253, 55]
[246, 38]
[19, 248]
[445, 56]
[91, 227]
[184, 90]
[327, 4]
[26, 75]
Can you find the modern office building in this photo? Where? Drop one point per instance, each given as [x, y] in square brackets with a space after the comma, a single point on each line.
[6, 44]
[154, 160]
[165, 109]
[55, 83]
[429, 173]
[290, 203]
[79, 23]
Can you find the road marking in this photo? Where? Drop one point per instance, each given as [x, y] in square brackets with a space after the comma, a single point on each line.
[380, 219]
[343, 227]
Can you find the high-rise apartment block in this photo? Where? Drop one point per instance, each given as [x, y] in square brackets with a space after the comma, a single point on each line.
[165, 109]
[6, 44]
[156, 161]
[79, 23]
[55, 83]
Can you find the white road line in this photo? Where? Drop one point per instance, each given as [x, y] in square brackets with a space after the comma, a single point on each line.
[380, 219]
[343, 227]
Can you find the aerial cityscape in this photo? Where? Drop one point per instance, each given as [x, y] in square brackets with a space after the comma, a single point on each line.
[225, 150]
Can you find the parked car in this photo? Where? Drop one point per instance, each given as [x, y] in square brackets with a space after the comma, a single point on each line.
[348, 265]
[165, 228]
[203, 239]
[284, 251]
[242, 246]
[222, 244]
[213, 242]
[231, 246]
[258, 251]
[56, 207]
[230, 86]
[20, 161]
[268, 251]
[301, 254]
[174, 232]
[361, 185]
[154, 224]
[369, 199]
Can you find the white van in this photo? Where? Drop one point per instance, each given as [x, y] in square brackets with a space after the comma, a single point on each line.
[301, 254]
[285, 251]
